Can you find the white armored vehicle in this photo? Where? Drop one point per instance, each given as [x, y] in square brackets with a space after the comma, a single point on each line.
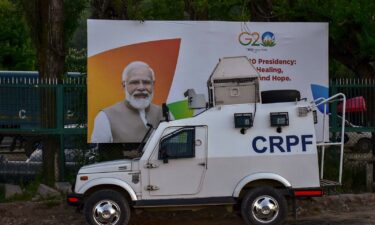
[238, 151]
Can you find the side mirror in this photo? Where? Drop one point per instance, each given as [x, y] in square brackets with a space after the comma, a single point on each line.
[195, 101]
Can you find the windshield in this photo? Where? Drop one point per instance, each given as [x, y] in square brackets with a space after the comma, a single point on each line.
[137, 153]
[147, 141]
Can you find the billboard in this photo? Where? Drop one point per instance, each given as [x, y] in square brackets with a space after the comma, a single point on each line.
[182, 55]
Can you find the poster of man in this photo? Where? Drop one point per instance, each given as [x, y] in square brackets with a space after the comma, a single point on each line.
[126, 121]
[168, 57]
[126, 88]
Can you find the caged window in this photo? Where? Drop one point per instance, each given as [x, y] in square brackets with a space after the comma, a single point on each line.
[179, 144]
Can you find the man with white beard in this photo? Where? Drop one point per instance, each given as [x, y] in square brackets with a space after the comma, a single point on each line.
[126, 121]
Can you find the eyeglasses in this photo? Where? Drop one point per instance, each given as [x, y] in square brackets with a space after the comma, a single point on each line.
[138, 82]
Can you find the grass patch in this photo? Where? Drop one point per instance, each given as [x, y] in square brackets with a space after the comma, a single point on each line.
[28, 191]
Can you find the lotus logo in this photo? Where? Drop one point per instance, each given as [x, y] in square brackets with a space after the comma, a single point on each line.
[268, 39]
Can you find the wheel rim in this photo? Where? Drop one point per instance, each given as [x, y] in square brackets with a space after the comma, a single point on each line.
[106, 212]
[265, 209]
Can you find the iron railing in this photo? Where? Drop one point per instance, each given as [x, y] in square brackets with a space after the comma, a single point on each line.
[24, 119]
[31, 107]
[360, 113]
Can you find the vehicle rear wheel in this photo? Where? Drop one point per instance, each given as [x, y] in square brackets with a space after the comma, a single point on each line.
[264, 205]
[364, 145]
[107, 207]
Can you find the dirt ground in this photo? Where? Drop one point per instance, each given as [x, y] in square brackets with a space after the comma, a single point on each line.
[347, 209]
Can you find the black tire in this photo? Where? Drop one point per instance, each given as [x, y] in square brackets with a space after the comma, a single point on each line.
[364, 145]
[111, 204]
[275, 96]
[264, 206]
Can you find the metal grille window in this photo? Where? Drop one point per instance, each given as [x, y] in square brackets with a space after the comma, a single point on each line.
[179, 144]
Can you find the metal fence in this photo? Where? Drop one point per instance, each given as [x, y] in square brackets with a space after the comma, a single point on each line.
[24, 120]
[359, 129]
[360, 94]
[360, 112]
[30, 108]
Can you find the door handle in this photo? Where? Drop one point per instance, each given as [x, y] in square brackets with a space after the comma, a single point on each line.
[202, 164]
[151, 166]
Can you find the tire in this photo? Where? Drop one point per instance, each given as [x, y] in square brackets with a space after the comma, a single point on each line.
[264, 206]
[275, 96]
[364, 145]
[107, 207]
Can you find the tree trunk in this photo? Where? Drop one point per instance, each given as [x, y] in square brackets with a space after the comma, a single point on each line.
[50, 29]
[51, 57]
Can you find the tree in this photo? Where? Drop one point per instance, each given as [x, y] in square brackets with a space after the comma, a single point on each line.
[168, 9]
[16, 50]
[262, 10]
[51, 23]
[76, 60]
[352, 23]
[109, 9]
[352, 28]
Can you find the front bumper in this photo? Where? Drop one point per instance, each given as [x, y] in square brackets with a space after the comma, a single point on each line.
[74, 199]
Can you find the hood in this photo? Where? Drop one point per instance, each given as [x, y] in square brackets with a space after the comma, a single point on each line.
[105, 167]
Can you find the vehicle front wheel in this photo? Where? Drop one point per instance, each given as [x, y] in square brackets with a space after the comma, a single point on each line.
[264, 206]
[107, 207]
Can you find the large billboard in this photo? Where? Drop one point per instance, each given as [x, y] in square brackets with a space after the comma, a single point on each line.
[179, 55]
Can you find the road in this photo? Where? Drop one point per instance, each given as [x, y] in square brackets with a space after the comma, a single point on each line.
[332, 210]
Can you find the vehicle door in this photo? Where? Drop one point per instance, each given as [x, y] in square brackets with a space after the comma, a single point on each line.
[178, 164]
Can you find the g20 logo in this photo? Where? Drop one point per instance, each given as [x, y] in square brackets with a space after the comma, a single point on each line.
[254, 39]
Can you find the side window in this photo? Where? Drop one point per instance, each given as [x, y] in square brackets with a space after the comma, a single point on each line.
[179, 144]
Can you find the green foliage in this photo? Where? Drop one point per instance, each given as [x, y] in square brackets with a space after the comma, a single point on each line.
[162, 9]
[16, 51]
[76, 60]
[339, 70]
[169, 9]
[29, 191]
[39, 28]
[351, 28]
[73, 14]
[232, 10]
[79, 39]
[346, 19]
